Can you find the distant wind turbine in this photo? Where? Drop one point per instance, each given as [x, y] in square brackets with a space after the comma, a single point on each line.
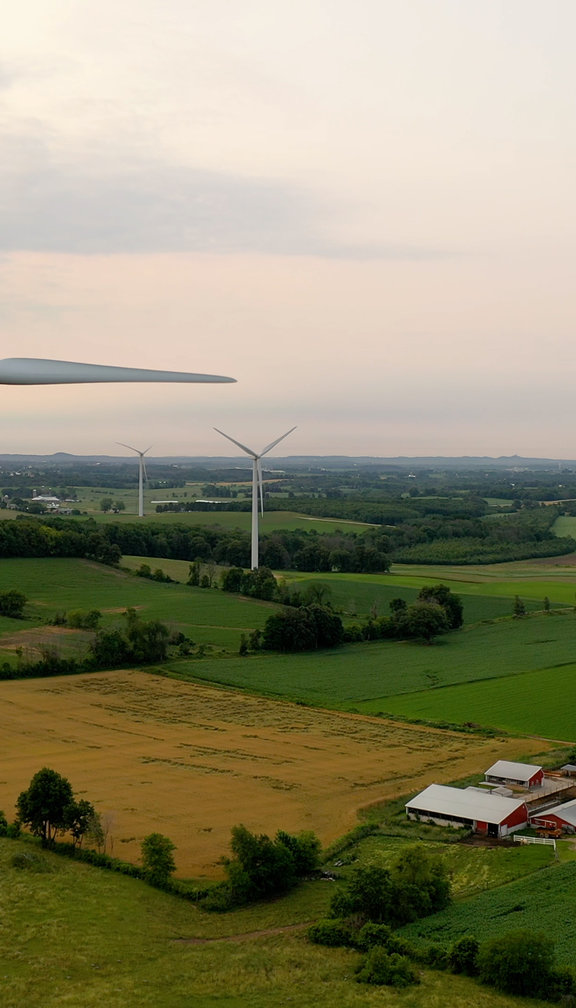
[257, 492]
[35, 371]
[142, 474]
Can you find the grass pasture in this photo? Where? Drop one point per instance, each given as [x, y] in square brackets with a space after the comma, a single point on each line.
[87, 938]
[190, 761]
[471, 869]
[51, 584]
[270, 521]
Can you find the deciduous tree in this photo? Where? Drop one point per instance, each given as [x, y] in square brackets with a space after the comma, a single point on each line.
[44, 806]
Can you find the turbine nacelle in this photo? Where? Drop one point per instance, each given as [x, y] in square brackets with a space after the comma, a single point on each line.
[142, 474]
[257, 484]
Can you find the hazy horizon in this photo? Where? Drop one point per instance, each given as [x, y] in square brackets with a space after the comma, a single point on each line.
[364, 214]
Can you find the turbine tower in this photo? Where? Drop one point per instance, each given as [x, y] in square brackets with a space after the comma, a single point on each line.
[256, 486]
[142, 474]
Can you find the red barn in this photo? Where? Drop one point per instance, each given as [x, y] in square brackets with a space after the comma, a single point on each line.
[559, 816]
[482, 811]
[525, 775]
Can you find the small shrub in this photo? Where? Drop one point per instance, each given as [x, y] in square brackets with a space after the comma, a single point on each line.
[435, 956]
[333, 933]
[31, 862]
[373, 935]
[381, 967]
[519, 962]
[463, 956]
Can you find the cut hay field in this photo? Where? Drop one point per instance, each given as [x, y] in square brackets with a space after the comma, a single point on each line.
[88, 938]
[190, 761]
[347, 677]
[540, 702]
[51, 584]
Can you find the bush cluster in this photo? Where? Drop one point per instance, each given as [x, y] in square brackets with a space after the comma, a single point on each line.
[262, 868]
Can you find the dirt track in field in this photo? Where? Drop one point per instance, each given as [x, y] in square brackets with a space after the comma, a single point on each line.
[191, 761]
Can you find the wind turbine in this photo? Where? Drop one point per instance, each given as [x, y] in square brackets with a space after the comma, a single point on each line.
[142, 474]
[35, 371]
[256, 486]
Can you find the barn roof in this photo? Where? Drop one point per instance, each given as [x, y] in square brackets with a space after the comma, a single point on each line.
[467, 803]
[513, 771]
[566, 812]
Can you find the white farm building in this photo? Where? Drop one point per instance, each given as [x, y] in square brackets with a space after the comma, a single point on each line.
[525, 775]
[481, 811]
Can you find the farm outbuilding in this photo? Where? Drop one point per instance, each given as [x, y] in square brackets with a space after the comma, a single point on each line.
[523, 774]
[561, 816]
[483, 812]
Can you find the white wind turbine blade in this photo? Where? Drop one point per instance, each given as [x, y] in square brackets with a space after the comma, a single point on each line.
[238, 443]
[122, 445]
[36, 371]
[274, 443]
[260, 486]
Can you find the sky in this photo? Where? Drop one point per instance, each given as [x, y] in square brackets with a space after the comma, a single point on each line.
[362, 210]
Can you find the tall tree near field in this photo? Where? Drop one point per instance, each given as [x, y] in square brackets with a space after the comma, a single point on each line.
[519, 607]
[157, 858]
[44, 806]
[451, 604]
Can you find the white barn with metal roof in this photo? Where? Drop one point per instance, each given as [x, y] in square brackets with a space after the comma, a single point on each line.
[478, 810]
[524, 774]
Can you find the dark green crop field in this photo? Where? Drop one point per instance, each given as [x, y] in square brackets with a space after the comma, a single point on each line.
[541, 702]
[347, 676]
[542, 902]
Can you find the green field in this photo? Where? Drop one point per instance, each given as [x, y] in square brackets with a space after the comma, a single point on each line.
[541, 702]
[207, 616]
[471, 869]
[360, 594]
[543, 902]
[347, 677]
[565, 525]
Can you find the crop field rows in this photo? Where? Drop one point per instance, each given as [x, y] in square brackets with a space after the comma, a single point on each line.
[191, 761]
[538, 902]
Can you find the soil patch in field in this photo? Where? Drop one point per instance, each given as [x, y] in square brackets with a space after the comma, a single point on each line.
[191, 761]
[65, 641]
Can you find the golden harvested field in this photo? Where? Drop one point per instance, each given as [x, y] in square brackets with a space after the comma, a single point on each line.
[191, 761]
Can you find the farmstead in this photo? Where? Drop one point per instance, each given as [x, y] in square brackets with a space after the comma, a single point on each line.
[488, 813]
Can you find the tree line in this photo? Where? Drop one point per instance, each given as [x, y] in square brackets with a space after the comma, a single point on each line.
[139, 642]
[299, 550]
[308, 623]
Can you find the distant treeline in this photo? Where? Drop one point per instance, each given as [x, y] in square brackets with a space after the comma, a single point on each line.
[289, 550]
[446, 534]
